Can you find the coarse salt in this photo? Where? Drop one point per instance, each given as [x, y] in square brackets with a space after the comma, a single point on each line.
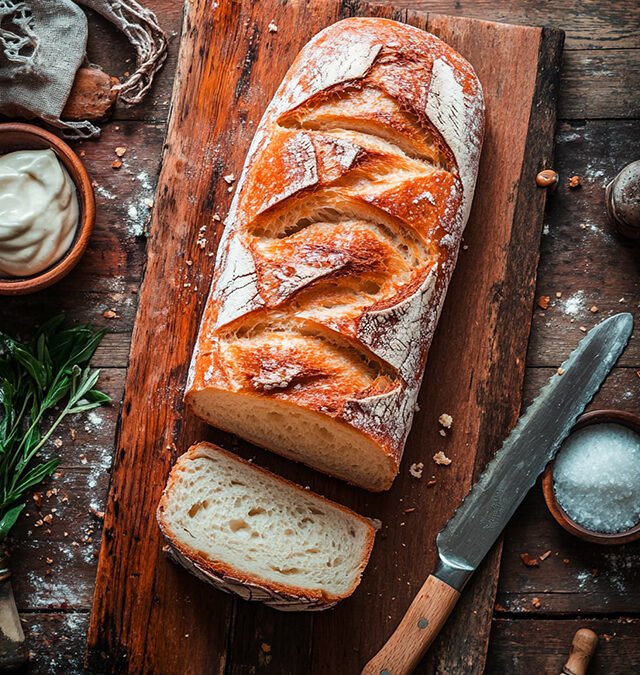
[597, 477]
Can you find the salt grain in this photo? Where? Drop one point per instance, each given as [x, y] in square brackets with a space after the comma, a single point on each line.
[597, 477]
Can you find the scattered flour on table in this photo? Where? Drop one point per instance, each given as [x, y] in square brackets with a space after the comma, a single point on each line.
[574, 304]
[94, 419]
[103, 192]
[99, 467]
[54, 590]
[583, 578]
[139, 209]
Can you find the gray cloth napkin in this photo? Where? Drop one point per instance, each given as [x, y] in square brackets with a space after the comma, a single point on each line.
[43, 43]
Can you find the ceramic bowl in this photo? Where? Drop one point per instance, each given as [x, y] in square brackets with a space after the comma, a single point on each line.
[624, 418]
[18, 136]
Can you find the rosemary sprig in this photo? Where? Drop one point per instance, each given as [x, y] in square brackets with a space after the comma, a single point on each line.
[41, 382]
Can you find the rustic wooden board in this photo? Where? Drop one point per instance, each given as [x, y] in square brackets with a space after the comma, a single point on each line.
[150, 616]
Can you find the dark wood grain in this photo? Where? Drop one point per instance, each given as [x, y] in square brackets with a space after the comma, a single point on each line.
[602, 54]
[542, 646]
[245, 69]
[572, 259]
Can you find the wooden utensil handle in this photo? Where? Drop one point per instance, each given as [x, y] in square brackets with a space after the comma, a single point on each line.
[417, 630]
[583, 646]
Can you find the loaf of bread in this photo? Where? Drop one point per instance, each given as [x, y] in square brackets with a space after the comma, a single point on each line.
[255, 534]
[338, 249]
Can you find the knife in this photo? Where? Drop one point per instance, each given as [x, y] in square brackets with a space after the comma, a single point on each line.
[483, 514]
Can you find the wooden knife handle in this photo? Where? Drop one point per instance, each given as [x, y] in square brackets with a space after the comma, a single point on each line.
[417, 630]
[583, 646]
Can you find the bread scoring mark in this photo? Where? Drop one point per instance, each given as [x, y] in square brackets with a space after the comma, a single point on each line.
[373, 413]
[389, 332]
[300, 168]
[312, 352]
[339, 59]
[459, 119]
[236, 289]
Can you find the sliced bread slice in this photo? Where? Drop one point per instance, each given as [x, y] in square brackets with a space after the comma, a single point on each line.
[250, 532]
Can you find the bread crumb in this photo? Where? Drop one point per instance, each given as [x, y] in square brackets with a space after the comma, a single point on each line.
[120, 151]
[272, 27]
[543, 301]
[109, 314]
[528, 560]
[560, 371]
[266, 648]
[416, 469]
[558, 294]
[536, 603]
[583, 329]
[229, 178]
[445, 420]
[574, 182]
[593, 309]
[545, 555]
[441, 459]
[57, 442]
[116, 164]
[442, 432]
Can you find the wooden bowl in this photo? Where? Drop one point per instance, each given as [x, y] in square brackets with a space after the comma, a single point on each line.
[18, 136]
[624, 418]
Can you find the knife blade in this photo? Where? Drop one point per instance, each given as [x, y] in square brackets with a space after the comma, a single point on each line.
[483, 514]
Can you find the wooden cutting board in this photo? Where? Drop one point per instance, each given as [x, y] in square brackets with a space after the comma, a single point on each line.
[148, 614]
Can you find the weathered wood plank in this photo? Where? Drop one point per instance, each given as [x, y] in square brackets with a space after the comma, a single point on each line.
[601, 84]
[131, 554]
[56, 642]
[621, 389]
[543, 646]
[602, 51]
[596, 580]
[588, 24]
[581, 257]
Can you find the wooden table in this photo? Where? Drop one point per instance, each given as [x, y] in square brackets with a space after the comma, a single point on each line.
[587, 271]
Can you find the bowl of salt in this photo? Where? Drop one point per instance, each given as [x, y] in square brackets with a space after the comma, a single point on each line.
[592, 488]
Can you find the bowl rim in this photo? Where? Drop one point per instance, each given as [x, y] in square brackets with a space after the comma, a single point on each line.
[606, 415]
[86, 197]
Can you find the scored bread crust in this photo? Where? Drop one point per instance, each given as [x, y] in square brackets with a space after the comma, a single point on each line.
[226, 577]
[342, 237]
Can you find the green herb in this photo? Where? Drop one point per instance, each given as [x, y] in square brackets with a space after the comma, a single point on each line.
[41, 382]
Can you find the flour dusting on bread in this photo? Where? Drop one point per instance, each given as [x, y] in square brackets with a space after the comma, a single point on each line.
[338, 250]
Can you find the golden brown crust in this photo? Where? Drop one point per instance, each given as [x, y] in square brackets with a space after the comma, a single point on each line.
[251, 587]
[345, 227]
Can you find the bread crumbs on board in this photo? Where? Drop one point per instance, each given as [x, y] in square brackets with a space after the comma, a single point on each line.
[416, 469]
[445, 420]
[441, 459]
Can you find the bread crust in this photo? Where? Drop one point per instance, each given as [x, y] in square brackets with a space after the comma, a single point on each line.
[284, 597]
[344, 230]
